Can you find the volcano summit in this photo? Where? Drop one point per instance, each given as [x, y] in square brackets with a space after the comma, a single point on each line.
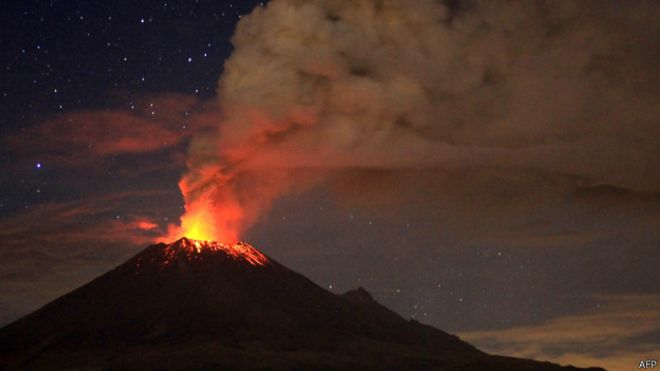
[202, 305]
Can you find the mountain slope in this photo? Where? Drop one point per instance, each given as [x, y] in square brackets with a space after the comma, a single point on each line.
[204, 305]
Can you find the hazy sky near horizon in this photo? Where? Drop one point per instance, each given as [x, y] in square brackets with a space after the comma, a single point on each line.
[489, 168]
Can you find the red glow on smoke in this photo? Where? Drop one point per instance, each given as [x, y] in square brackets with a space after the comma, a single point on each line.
[211, 213]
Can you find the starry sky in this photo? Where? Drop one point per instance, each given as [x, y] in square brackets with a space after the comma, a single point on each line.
[545, 260]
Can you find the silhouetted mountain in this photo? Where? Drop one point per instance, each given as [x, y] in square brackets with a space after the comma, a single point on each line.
[195, 305]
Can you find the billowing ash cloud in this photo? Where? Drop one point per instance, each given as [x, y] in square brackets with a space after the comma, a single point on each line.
[566, 87]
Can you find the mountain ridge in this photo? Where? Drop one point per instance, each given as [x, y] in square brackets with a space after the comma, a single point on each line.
[196, 304]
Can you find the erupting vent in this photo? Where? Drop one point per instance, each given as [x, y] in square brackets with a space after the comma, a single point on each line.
[196, 249]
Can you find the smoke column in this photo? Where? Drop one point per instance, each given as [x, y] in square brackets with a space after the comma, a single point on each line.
[326, 85]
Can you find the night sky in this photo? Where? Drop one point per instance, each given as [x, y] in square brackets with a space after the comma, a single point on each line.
[549, 254]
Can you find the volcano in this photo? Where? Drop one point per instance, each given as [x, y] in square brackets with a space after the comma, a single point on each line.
[201, 305]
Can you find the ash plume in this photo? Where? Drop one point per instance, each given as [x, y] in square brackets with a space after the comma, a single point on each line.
[566, 87]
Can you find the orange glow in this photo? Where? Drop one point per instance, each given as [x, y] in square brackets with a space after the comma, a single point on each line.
[199, 223]
[212, 213]
[202, 221]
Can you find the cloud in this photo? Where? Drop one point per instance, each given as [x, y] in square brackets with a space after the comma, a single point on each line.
[78, 138]
[550, 87]
[616, 334]
[95, 219]
[144, 224]
[553, 86]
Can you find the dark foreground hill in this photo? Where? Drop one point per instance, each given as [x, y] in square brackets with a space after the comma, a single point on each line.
[195, 305]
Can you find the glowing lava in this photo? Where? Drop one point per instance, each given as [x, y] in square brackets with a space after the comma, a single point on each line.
[196, 249]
